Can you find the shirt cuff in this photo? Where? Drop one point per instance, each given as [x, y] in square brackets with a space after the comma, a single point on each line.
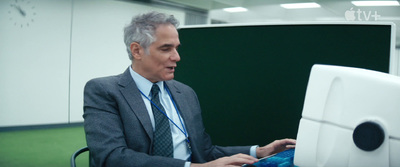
[187, 164]
[253, 151]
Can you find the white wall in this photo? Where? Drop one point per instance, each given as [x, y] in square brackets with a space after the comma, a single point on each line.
[34, 63]
[44, 66]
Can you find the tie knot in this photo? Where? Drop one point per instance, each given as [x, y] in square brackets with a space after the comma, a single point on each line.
[154, 90]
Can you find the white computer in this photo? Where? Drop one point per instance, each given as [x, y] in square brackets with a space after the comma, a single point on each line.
[351, 117]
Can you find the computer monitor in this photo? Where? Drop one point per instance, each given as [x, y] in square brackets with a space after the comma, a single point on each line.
[350, 118]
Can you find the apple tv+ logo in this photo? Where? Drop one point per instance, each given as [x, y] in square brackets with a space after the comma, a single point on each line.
[350, 15]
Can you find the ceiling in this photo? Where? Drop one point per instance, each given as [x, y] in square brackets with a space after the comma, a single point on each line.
[271, 11]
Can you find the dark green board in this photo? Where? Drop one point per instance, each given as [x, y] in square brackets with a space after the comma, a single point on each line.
[251, 80]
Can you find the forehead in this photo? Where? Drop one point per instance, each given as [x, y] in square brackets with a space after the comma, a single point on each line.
[166, 33]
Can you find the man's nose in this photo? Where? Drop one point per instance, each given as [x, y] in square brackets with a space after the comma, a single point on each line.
[175, 56]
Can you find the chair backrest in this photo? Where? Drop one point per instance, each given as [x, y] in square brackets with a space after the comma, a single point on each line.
[78, 152]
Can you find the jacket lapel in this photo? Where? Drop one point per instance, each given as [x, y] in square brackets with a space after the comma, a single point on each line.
[180, 101]
[183, 107]
[132, 95]
[191, 121]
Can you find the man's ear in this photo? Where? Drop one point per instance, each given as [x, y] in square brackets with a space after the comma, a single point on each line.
[135, 50]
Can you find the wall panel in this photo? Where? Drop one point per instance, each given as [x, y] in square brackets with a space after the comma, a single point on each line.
[34, 62]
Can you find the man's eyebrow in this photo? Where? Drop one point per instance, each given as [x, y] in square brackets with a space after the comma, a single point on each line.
[168, 46]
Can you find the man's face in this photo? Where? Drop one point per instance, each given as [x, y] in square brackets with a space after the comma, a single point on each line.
[160, 63]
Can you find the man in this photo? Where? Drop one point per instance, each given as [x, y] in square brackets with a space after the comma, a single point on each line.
[145, 118]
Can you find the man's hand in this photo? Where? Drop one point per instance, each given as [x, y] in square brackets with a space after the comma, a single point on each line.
[275, 147]
[241, 159]
[236, 160]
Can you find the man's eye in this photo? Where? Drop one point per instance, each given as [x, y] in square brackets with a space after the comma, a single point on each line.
[165, 49]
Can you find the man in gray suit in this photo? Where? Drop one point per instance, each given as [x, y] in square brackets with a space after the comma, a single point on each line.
[120, 111]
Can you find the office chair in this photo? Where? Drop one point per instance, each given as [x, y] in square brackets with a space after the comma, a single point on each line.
[78, 152]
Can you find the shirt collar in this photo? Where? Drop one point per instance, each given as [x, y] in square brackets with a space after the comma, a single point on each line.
[144, 84]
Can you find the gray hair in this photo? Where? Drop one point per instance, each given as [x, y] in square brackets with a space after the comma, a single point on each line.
[142, 29]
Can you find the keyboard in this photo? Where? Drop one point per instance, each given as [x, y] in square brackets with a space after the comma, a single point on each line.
[282, 159]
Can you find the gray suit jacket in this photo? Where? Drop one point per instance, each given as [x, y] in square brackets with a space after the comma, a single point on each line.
[118, 128]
